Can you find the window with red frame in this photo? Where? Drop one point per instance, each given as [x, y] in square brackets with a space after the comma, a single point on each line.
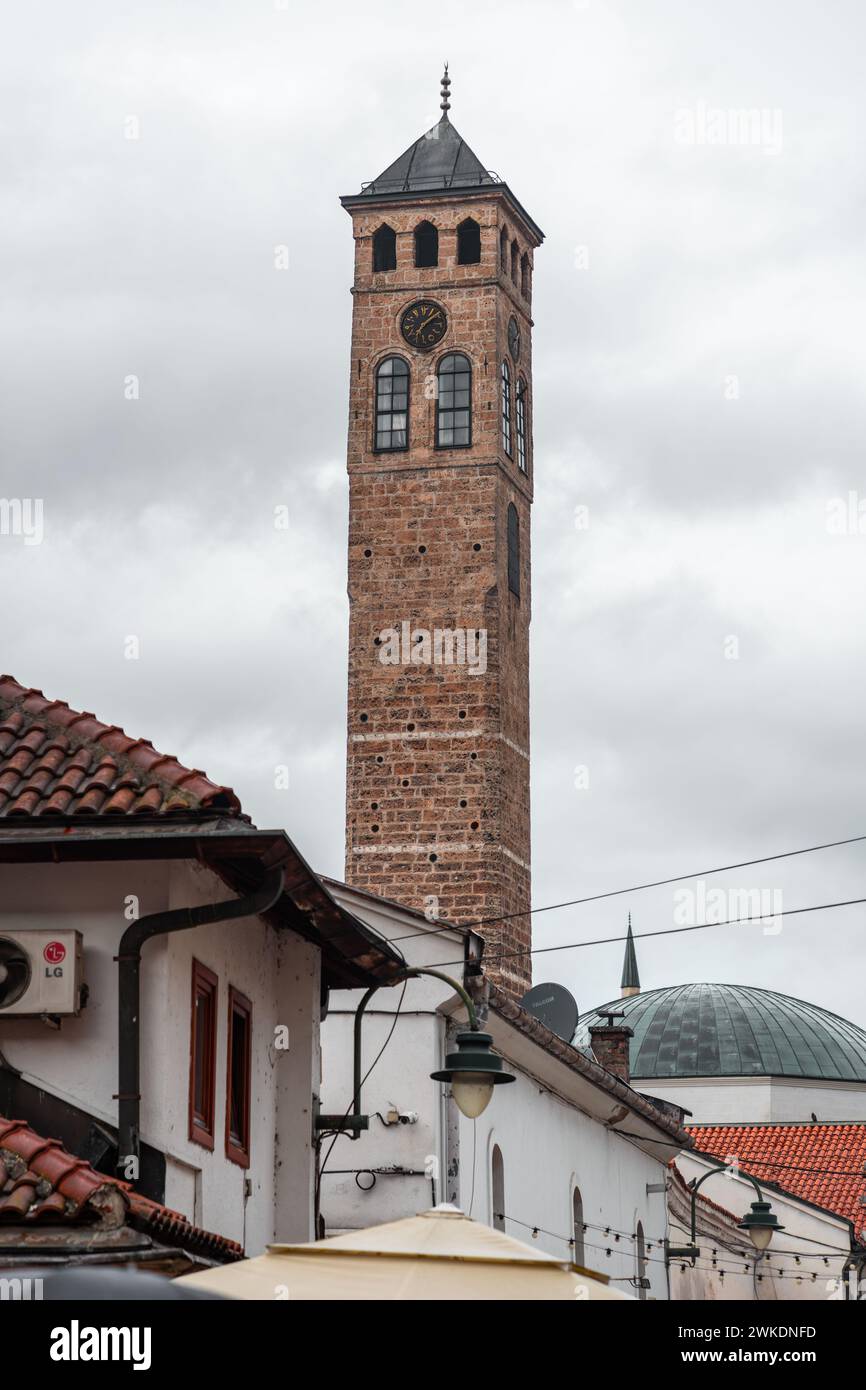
[202, 1055]
[238, 1078]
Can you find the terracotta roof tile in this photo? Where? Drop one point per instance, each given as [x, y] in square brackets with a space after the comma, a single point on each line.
[41, 1183]
[56, 761]
[821, 1163]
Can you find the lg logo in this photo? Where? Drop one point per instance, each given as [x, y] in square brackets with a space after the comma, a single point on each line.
[54, 953]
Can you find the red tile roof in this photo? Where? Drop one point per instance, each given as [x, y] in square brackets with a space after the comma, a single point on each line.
[55, 761]
[822, 1163]
[42, 1184]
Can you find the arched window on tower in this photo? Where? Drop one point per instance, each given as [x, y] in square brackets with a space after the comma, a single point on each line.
[641, 1262]
[525, 278]
[497, 1189]
[513, 550]
[385, 248]
[426, 244]
[468, 242]
[506, 408]
[515, 260]
[503, 250]
[577, 1227]
[454, 402]
[522, 407]
[392, 405]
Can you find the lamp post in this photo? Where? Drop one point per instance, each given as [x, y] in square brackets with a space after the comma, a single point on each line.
[473, 1070]
[760, 1221]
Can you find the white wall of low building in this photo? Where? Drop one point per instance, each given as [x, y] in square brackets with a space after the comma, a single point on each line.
[813, 1242]
[760, 1099]
[278, 972]
[548, 1149]
[549, 1144]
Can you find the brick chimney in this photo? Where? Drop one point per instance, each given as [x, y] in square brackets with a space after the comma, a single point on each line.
[609, 1043]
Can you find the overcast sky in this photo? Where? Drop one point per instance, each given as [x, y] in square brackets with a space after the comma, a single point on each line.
[699, 365]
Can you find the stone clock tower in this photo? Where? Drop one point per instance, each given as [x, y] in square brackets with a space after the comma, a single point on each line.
[441, 473]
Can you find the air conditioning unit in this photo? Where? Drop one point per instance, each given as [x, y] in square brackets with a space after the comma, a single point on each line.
[40, 973]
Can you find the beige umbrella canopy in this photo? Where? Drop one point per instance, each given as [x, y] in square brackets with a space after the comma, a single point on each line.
[439, 1254]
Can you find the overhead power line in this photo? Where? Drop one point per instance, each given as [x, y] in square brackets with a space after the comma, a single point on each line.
[661, 931]
[638, 887]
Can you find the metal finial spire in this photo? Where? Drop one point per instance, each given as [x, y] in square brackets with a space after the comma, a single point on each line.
[445, 102]
[630, 983]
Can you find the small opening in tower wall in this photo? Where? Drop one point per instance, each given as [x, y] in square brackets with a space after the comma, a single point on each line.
[426, 245]
[468, 242]
[384, 248]
[476, 546]
[364, 718]
[367, 554]
[433, 858]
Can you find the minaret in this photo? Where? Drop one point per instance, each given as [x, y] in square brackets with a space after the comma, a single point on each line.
[441, 476]
[630, 983]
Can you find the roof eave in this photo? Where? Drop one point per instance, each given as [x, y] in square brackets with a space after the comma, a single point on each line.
[354, 953]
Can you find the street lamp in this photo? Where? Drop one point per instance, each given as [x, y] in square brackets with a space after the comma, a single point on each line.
[760, 1221]
[473, 1070]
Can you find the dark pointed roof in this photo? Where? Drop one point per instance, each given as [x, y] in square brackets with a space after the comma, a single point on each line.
[440, 158]
[439, 163]
[630, 977]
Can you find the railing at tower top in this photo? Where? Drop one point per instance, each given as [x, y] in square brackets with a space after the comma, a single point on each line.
[430, 184]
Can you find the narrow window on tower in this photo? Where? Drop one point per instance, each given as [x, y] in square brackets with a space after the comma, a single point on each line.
[454, 405]
[392, 405]
[239, 1068]
[202, 1059]
[426, 244]
[506, 408]
[521, 424]
[468, 242]
[513, 550]
[503, 250]
[385, 248]
[515, 259]
[524, 275]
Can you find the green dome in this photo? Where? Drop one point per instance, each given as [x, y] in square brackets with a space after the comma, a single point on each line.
[735, 1030]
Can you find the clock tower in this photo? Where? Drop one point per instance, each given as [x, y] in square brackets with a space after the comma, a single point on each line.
[441, 474]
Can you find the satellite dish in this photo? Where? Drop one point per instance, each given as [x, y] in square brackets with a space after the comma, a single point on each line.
[553, 1006]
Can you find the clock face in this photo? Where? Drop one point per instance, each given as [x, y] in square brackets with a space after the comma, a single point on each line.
[424, 324]
[514, 339]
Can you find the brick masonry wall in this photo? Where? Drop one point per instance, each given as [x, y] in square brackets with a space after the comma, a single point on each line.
[437, 764]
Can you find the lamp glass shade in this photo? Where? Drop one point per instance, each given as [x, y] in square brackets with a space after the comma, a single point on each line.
[761, 1236]
[472, 1091]
[760, 1222]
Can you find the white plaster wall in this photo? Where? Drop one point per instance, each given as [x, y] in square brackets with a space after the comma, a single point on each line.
[547, 1144]
[760, 1099]
[278, 972]
[548, 1148]
[811, 1234]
